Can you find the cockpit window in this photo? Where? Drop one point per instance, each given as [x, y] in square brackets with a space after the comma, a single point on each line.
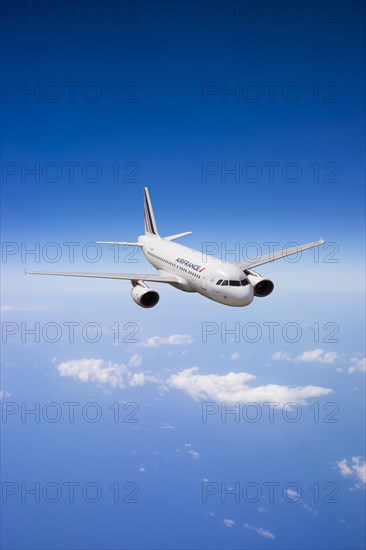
[242, 282]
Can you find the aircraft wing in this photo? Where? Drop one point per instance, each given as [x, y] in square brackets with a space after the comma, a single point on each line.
[255, 262]
[152, 277]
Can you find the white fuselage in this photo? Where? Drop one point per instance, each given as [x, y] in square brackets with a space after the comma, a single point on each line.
[197, 273]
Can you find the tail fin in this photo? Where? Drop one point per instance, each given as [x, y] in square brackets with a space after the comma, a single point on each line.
[150, 223]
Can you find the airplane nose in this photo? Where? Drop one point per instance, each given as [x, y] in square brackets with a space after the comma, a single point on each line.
[249, 294]
[238, 297]
[245, 298]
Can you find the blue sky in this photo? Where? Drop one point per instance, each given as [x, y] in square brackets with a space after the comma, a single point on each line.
[247, 127]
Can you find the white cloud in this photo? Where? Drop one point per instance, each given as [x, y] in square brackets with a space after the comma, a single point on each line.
[194, 454]
[232, 388]
[20, 309]
[357, 364]
[355, 469]
[3, 394]
[281, 356]
[235, 356]
[319, 355]
[359, 468]
[308, 508]
[135, 360]
[6, 309]
[344, 469]
[172, 340]
[229, 522]
[262, 510]
[264, 533]
[100, 371]
[94, 370]
[343, 521]
[311, 356]
[166, 426]
[137, 379]
[294, 496]
[142, 469]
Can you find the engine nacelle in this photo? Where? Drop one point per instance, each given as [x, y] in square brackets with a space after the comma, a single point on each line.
[144, 296]
[262, 287]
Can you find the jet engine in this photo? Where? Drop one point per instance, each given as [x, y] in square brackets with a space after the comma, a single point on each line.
[144, 296]
[262, 287]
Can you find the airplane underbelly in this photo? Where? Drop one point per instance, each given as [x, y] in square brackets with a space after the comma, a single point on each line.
[184, 285]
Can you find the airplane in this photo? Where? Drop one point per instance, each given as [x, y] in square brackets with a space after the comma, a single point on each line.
[232, 284]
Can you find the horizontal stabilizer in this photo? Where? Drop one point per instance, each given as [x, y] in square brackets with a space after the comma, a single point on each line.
[177, 236]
